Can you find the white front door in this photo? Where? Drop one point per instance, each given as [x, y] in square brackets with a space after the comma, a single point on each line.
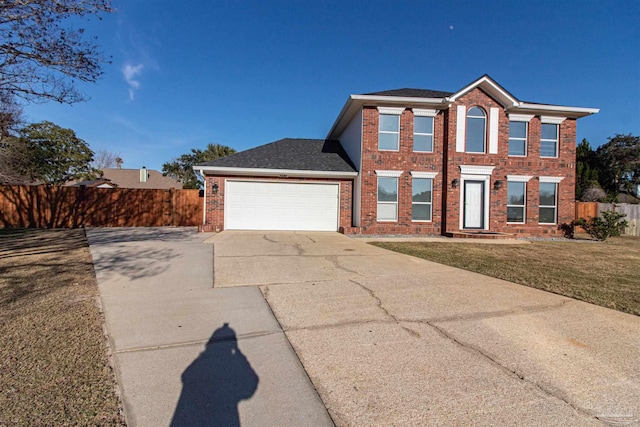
[473, 204]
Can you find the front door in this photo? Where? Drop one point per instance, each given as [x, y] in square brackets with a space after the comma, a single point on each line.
[473, 204]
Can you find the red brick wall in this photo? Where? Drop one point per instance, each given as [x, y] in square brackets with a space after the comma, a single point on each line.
[403, 160]
[446, 161]
[214, 211]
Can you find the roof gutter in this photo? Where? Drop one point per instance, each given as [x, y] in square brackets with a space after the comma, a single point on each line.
[356, 102]
[281, 173]
[573, 112]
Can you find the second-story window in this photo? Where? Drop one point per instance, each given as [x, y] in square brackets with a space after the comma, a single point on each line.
[549, 140]
[517, 138]
[389, 132]
[423, 134]
[476, 130]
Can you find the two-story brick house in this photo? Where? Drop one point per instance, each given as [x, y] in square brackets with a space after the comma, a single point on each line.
[410, 161]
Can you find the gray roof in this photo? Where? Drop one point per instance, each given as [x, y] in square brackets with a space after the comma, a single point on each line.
[291, 154]
[412, 93]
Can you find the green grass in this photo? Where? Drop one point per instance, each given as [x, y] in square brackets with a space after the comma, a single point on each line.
[602, 273]
[53, 353]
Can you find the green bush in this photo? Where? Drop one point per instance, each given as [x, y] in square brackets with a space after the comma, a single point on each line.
[610, 224]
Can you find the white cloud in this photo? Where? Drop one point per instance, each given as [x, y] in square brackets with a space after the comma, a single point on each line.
[130, 73]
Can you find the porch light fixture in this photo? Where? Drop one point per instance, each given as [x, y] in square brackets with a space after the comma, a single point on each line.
[497, 185]
[455, 183]
[214, 188]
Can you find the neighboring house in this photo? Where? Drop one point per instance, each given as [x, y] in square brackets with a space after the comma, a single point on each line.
[410, 161]
[132, 178]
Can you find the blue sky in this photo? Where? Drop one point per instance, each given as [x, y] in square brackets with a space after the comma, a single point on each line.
[243, 73]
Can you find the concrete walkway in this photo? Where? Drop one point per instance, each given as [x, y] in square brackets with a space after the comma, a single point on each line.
[389, 339]
[187, 354]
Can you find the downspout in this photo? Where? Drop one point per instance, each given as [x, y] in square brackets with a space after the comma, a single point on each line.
[204, 208]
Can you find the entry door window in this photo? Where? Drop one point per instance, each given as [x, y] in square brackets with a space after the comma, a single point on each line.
[473, 204]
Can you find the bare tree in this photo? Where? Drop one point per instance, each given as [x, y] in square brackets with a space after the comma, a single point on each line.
[39, 57]
[105, 159]
[10, 115]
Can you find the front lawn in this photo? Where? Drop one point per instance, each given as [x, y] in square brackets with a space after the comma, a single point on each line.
[53, 353]
[602, 273]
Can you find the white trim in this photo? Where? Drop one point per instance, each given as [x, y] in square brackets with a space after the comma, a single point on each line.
[391, 110]
[461, 131]
[476, 170]
[204, 212]
[520, 117]
[389, 174]
[425, 113]
[491, 87]
[518, 178]
[494, 115]
[419, 174]
[487, 197]
[551, 179]
[552, 120]
[282, 173]
[574, 112]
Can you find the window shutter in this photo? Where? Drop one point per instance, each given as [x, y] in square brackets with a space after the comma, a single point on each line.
[461, 131]
[493, 130]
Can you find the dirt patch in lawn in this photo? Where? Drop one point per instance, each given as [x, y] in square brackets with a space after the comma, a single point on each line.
[602, 273]
[53, 352]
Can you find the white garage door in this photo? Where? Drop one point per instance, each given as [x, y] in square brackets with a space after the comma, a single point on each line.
[257, 205]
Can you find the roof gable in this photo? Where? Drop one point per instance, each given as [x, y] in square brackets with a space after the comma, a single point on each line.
[493, 89]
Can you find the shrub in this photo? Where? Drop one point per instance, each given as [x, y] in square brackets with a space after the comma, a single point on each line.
[568, 229]
[609, 225]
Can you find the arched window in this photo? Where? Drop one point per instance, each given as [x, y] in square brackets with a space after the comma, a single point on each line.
[476, 130]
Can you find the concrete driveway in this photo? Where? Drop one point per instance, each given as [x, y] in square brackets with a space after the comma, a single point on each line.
[389, 339]
[187, 354]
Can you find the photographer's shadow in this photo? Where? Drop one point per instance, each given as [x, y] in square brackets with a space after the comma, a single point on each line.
[214, 384]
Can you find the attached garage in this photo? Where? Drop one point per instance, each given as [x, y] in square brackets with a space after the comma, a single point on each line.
[289, 185]
[264, 205]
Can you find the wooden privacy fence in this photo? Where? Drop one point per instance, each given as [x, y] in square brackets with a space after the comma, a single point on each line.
[41, 206]
[592, 209]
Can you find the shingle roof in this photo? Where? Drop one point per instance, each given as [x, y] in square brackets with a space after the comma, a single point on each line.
[291, 154]
[412, 93]
[130, 178]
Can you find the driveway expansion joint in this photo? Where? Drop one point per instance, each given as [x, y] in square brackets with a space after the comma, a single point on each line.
[197, 342]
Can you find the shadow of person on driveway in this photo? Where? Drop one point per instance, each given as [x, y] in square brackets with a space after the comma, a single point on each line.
[214, 384]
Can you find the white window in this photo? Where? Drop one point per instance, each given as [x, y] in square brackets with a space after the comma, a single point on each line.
[516, 201]
[421, 199]
[476, 130]
[548, 203]
[389, 132]
[549, 140]
[387, 198]
[517, 138]
[423, 134]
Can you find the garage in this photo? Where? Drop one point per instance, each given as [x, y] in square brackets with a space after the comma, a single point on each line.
[273, 205]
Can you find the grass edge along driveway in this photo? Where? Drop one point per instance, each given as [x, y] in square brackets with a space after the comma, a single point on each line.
[53, 351]
[601, 273]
